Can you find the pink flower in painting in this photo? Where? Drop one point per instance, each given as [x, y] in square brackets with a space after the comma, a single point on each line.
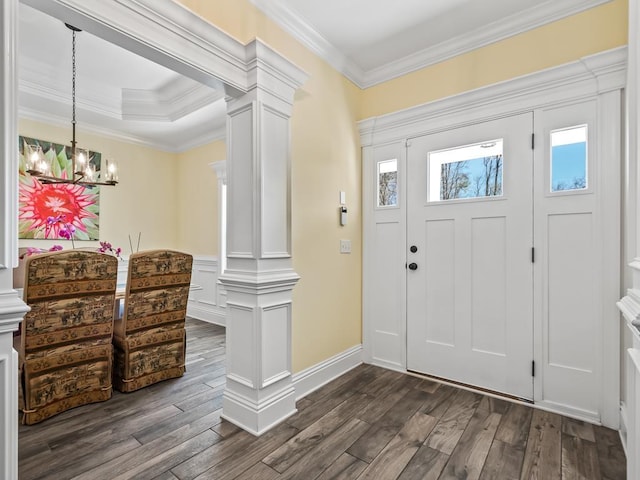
[69, 202]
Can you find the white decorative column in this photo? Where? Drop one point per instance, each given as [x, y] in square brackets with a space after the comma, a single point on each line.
[630, 303]
[259, 277]
[12, 308]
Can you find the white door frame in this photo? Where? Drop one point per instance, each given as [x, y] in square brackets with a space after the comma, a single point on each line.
[601, 77]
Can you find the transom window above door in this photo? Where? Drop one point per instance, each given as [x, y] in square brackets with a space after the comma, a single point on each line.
[466, 172]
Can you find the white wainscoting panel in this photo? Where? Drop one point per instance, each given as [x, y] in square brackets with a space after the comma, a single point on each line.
[207, 298]
[207, 301]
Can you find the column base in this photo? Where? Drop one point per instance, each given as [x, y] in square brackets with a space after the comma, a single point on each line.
[258, 413]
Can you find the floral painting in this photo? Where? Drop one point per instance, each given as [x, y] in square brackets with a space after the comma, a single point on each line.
[52, 211]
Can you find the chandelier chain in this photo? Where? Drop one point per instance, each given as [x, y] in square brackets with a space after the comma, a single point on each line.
[73, 78]
[82, 171]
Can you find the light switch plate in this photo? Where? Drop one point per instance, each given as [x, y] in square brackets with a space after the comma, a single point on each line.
[345, 246]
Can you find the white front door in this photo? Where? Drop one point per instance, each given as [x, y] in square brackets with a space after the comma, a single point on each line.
[470, 237]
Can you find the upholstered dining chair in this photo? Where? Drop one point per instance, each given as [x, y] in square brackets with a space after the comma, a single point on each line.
[65, 347]
[150, 337]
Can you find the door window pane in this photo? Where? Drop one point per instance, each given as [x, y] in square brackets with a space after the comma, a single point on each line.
[470, 171]
[388, 183]
[569, 159]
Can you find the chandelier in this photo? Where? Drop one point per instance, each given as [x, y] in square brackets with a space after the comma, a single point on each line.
[82, 171]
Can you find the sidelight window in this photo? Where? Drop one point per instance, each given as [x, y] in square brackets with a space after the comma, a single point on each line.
[388, 183]
[569, 159]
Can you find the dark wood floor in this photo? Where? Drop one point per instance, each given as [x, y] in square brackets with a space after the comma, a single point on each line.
[368, 424]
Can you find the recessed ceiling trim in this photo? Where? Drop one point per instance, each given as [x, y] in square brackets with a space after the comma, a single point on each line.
[52, 93]
[158, 106]
[510, 26]
[193, 142]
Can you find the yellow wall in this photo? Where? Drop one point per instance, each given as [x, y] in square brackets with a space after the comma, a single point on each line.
[145, 200]
[563, 41]
[325, 160]
[197, 186]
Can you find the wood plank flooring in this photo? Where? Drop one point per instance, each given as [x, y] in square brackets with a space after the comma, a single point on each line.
[370, 423]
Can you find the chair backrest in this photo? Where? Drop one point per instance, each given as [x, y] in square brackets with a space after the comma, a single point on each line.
[71, 295]
[157, 289]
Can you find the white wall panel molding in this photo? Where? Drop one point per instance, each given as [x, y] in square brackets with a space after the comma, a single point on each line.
[536, 16]
[204, 298]
[312, 378]
[589, 76]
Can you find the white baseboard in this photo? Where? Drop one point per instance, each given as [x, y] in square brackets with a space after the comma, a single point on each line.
[207, 313]
[316, 376]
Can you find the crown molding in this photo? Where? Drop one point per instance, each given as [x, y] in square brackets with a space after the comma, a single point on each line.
[513, 25]
[169, 146]
[510, 26]
[306, 34]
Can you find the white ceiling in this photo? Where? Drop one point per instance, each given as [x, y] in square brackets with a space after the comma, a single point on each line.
[118, 93]
[122, 95]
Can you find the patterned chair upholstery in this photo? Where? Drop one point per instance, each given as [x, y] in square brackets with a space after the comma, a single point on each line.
[65, 350]
[150, 337]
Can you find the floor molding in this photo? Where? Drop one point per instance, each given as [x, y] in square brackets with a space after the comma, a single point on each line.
[316, 376]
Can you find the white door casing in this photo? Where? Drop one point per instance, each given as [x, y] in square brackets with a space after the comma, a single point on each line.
[599, 77]
[469, 302]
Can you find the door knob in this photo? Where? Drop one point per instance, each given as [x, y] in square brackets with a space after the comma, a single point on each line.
[413, 266]
[413, 249]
